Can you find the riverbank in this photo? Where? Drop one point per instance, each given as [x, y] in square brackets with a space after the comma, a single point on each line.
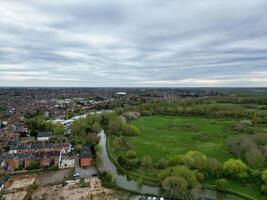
[142, 179]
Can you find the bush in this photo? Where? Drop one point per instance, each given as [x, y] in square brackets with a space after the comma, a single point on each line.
[108, 179]
[116, 124]
[130, 130]
[235, 169]
[147, 162]
[194, 160]
[128, 162]
[146, 113]
[33, 165]
[131, 115]
[221, 184]
[214, 167]
[131, 154]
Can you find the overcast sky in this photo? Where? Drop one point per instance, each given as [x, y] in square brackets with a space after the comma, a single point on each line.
[166, 43]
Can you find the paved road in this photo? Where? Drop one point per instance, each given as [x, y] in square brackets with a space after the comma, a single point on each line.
[84, 172]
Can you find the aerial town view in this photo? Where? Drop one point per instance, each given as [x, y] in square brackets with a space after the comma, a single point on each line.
[133, 100]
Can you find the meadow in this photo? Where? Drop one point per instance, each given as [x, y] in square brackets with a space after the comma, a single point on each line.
[163, 136]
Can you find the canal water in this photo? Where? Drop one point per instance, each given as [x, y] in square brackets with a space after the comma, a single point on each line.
[123, 182]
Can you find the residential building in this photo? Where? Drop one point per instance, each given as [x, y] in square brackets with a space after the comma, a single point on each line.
[86, 157]
[23, 160]
[43, 136]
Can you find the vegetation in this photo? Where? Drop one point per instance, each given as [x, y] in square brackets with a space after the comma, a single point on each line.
[85, 131]
[33, 165]
[222, 184]
[185, 144]
[2, 109]
[107, 179]
[162, 136]
[38, 123]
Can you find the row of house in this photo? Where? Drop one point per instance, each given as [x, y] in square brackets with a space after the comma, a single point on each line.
[46, 154]
[23, 160]
[64, 148]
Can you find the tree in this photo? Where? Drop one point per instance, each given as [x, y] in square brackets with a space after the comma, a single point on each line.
[92, 139]
[255, 157]
[76, 127]
[116, 125]
[264, 180]
[119, 143]
[214, 167]
[147, 162]
[264, 176]
[96, 127]
[131, 115]
[58, 129]
[128, 162]
[181, 171]
[235, 169]
[108, 179]
[131, 154]
[222, 184]
[254, 119]
[264, 189]
[69, 115]
[58, 138]
[38, 123]
[146, 113]
[130, 130]
[175, 186]
[195, 160]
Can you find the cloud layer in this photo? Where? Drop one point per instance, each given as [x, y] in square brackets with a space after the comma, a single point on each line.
[160, 43]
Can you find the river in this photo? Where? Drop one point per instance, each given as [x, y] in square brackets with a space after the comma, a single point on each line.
[123, 182]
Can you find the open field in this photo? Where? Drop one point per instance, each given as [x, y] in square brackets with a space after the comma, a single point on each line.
[162, 136]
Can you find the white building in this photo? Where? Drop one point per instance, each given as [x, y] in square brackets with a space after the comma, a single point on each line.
[43, 136]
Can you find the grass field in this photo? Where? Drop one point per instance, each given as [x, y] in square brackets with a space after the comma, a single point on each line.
[162, 136]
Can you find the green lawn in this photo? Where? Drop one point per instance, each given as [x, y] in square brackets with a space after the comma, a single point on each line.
[162, 136]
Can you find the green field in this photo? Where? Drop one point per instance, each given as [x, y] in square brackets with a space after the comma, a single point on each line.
[162, 136]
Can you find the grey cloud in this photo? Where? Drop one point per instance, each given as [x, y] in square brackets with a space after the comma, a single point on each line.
[133, 43]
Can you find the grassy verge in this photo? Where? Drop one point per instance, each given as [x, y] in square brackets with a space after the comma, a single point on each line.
[231, 191]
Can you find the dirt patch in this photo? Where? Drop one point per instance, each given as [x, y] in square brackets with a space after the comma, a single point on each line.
[54, 177]
[92, 191]
[20, 182]
[14, 196]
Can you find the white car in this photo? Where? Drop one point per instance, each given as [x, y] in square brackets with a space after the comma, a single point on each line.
[76, 175]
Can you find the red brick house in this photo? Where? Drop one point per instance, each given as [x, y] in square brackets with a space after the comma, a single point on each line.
[85, 157]
[46, 159]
